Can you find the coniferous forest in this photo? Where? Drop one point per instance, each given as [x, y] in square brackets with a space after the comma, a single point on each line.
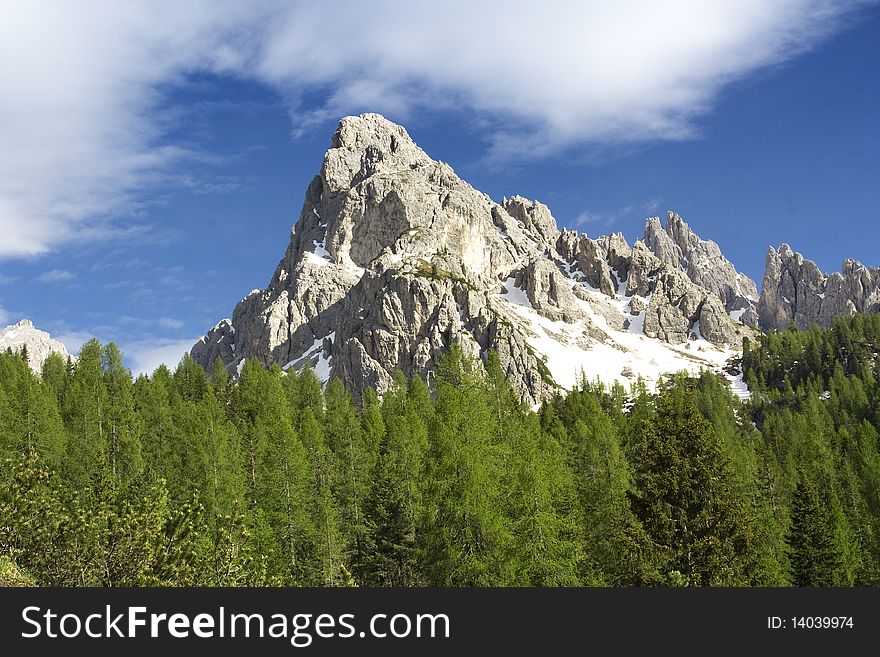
[186, 478]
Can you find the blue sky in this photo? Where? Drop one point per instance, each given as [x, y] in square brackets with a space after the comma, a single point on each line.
[151, 167]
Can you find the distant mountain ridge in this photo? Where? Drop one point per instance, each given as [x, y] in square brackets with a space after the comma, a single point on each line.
[39, 344]
[796, 292]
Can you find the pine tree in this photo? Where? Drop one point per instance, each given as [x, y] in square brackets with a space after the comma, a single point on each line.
[221, 382]
[602, 479]
[9, 442]
[537, 489]
[153, 405]
[394, 509]
[372, 426]
[30, 415]
[284, 483]
[123, 424]
[55, 374]
[248, 405]
[354, 462]
[305, 392]
[225, 487]
[190, 379]
[684, 496]
[815, 557]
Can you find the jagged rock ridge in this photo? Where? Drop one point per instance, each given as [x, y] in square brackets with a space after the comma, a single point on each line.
[39, 344]
[394, 257]
[678, 246]
[795, 291]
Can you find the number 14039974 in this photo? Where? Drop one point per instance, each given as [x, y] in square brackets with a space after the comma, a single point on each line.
[810, 623]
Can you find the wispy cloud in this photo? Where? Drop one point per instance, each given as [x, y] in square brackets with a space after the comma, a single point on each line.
[5, 280]
[210, 184]
[176, 282]
[86, 117]
[83, 110]
[56, 276]
[144, 296]
[169, 323]
[116, 285]
[119, 259]
[145, 356]
[609, 218]
[73, 340]
[571, 73]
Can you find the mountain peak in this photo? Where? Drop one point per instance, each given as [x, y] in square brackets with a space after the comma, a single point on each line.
[366, 145]
[679, 247]
[394, 258]
[354, 132]
[39, 343]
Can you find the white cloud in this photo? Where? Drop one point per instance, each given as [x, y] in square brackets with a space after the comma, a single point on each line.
[80, 124]
[73, 340]
[5, 280]
[611, 217]
[543, 76]
[56, 276]
[169, 323]
[82, 84]
[144, 356]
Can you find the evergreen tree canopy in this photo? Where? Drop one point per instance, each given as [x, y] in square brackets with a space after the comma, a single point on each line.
[275, 478]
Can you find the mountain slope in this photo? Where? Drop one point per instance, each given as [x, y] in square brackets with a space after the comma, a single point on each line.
[394, 257]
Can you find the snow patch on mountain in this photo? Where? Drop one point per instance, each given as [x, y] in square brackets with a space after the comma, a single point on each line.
[570, 352]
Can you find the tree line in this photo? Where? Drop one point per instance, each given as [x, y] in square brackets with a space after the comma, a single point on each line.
[192, 478]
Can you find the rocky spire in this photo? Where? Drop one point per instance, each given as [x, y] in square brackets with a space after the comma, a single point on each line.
[702, 261]
[795, 291]
[394, 257]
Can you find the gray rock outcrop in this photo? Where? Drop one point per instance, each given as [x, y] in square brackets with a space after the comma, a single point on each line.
[394, 258]
[702, 261]
[795, 291]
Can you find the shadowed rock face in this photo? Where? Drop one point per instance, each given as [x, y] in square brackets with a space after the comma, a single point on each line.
[394, 257]
[796, 292]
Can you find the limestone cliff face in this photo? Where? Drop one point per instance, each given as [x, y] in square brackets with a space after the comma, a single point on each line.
[796, 292]
[704, 264]
[39, 344]
[394, 257]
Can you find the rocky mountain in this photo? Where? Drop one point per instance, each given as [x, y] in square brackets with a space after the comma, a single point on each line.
[394, 257]
[39, 344]
[678, 246]
[796, 292]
